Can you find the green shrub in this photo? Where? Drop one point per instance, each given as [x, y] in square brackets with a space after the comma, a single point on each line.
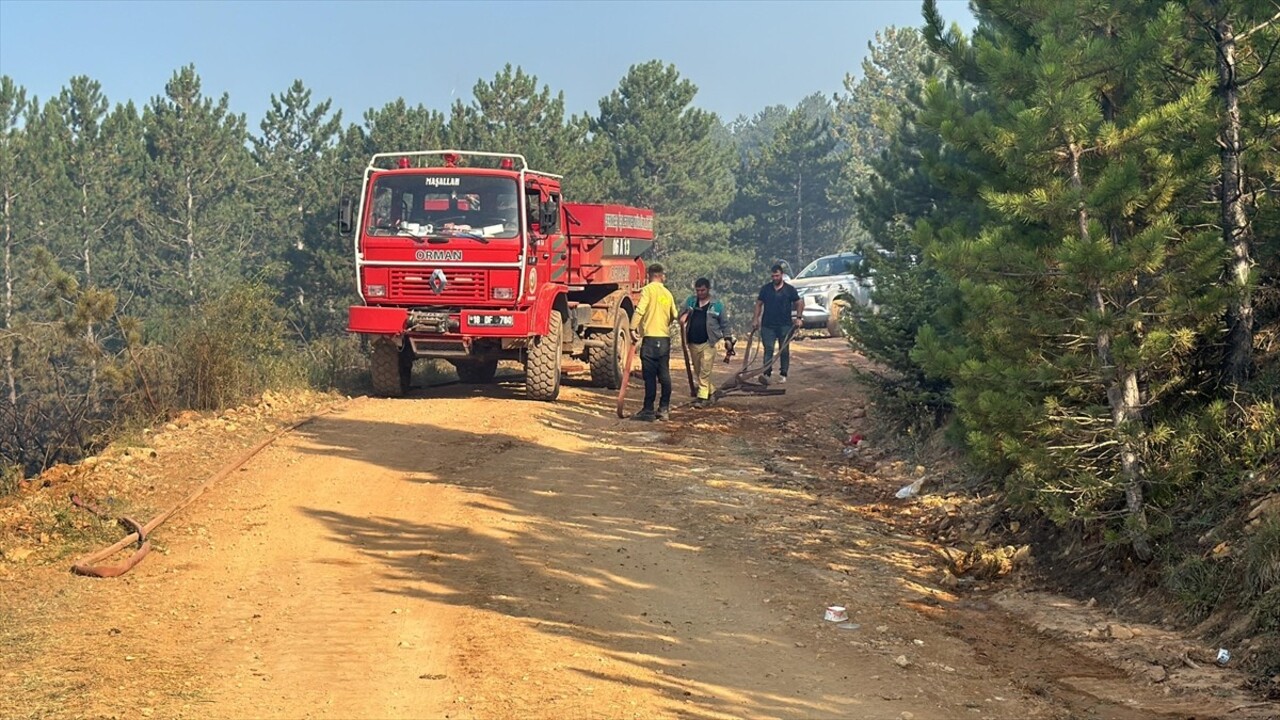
[1197, 584]
[230, 347]
[1266, 616]
[1261, 559]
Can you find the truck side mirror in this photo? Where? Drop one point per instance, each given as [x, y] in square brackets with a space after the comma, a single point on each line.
[550, 218]
[344, 216]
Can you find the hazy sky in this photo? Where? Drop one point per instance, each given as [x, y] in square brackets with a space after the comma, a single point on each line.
[743, 56]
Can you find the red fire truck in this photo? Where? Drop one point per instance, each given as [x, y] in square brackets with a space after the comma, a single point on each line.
[472, 257]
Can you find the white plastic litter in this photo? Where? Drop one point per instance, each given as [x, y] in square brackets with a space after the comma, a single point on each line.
[910, 491]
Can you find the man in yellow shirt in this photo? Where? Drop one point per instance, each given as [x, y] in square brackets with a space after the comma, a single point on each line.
[651, 327]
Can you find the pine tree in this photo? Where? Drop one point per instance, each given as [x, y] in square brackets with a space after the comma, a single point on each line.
[789, 192]
[199, 228]
[15, 185]
[901, 204]
[871, 105]
[751, 135]
[100, 152]
[664, 154]
[1237, 41]
[510, 114]
[1085, 294]
[396, 127]
[297, 153]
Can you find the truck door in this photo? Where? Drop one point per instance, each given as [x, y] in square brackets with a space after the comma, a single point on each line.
[558, 240]
[553, 244]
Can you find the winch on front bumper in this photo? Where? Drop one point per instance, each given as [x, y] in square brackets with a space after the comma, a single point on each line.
[432, 321]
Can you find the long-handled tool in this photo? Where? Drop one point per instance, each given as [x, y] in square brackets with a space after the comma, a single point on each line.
[688, 361]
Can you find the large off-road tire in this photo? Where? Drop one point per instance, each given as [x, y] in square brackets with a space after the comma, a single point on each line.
[608, 362]
[834, 318]
[476, 372]
[542, 361]
[391, 369]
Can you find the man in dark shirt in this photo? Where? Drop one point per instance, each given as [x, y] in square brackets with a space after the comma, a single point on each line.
[706, 322]
[778, 311]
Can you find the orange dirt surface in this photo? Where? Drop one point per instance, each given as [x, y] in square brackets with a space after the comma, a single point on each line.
[465, 553]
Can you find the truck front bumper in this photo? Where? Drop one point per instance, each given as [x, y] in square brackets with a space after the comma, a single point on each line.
[376, 320]
[480, 323]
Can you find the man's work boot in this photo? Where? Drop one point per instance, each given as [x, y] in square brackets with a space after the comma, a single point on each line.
[645, 415]
[699, 403]
[664, 413]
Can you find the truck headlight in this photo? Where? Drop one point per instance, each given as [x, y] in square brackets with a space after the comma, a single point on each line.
[375, 290]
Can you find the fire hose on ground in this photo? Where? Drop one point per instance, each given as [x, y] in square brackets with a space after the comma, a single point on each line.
[747, 380]
[140, 535]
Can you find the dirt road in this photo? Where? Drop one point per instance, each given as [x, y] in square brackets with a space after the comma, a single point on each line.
[464, 553]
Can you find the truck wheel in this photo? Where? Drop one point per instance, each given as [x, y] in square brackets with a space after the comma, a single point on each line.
[834, 328]
[542, 361]
[391, 369]
[476, 372]
[608, 362]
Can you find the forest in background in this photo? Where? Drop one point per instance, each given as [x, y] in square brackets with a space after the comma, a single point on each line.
[1076, 209]
[171, 257]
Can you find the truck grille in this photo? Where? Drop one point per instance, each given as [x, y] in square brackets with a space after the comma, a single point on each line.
[415, 286]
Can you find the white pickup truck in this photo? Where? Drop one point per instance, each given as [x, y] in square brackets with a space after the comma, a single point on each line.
[831, 284]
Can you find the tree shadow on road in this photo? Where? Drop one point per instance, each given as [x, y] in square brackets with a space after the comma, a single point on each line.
[593, 538]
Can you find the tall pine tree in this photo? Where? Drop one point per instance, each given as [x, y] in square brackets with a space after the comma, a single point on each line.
[511, 114]
[1085, 294]
[15, 186]
[297, 154]
[200, 230]
[398, 127]
[665, 154]
[790, 192]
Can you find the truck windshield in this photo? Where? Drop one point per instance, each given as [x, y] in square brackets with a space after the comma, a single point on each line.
[837, 265]
[438, 204]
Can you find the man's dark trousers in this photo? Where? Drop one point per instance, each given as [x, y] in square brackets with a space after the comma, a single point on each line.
[776, 335]
[655, 359]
